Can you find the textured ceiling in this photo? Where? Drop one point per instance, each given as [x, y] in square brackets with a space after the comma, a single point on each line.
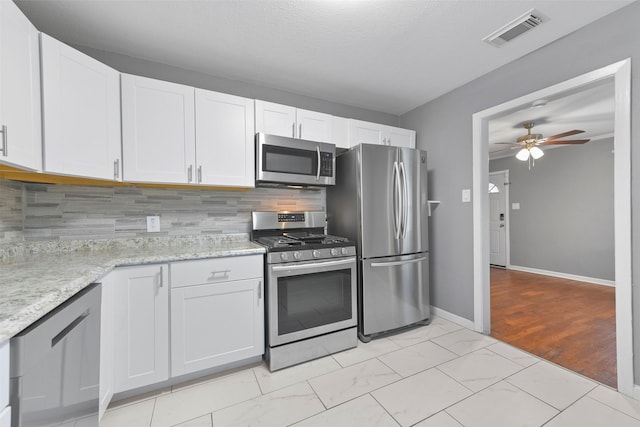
[384, 55]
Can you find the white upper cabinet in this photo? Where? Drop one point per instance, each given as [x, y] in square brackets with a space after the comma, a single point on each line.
[81, 113]
[374, 133]
[20, 117]
[313, 126]
[366, 133]
[275, 119]
[401, 137]
[224, 139]
[283, 120]
[340, 132]
[158, 131]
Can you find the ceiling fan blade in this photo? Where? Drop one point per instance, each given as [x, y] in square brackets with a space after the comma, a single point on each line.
[567, 141]
[563, 134]
[503, 150]
[510, 143]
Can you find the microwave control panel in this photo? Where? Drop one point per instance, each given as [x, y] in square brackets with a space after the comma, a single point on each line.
[326, 164]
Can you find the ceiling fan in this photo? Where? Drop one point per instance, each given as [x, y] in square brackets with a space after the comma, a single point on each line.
[529, 144]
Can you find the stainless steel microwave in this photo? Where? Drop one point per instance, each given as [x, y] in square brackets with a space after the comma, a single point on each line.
[289, 161]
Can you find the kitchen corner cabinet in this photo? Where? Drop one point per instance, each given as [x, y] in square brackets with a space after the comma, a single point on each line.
[141, 326]
[158, 131]
[217, 312]
[224, 139]
[81, 113]
[283, 120]
[374, 133]
[20, 115]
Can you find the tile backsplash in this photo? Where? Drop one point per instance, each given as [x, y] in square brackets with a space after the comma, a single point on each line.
[41, 212]
[11, 212]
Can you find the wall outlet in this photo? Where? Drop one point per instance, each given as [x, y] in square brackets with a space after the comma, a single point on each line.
[515, 206]
[153, 224]
[466, 195]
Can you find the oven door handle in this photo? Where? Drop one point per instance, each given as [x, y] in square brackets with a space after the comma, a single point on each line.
[389, 264]
[313, 265]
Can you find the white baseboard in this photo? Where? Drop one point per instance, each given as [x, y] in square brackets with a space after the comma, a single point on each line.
[575, 277]
[636, 392]
[452, 317]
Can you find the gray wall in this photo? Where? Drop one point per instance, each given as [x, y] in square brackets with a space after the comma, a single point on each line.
[565, 221]
[142, 67]
[42, 212]
[444, 128]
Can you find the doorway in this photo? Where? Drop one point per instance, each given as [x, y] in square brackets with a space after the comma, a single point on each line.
[498, 218]
[620, 73]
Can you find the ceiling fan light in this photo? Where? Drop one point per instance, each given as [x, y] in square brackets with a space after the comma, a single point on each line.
[536, 153]
[523, 155]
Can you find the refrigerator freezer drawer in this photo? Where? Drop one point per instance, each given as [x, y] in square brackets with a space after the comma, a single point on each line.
[394, 292]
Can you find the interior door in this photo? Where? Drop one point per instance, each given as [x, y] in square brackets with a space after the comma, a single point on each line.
[379, 211]
[498, 218]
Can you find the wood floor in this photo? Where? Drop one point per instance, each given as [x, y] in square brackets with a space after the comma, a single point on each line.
[566, 322]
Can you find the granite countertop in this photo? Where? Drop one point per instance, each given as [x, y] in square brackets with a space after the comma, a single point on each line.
[36, 278]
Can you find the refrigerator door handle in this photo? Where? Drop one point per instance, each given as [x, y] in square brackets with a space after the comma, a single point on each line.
[397, 219]
[405, 201]
[392, 263]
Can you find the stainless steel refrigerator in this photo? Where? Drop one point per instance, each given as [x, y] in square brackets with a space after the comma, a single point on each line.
[380, 202]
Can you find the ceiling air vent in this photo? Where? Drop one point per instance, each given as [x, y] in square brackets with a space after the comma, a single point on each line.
[513, 29]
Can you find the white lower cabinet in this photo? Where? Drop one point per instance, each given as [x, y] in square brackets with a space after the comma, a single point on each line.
[141, 326]
[107, 342]
[217, 312]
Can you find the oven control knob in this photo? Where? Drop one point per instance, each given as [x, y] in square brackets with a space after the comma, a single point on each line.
[315, 253]
[344, 251]
[284, 256]
[297, 255]
[334, 252]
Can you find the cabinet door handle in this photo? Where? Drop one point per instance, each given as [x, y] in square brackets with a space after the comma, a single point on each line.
[300, 131]
[5, 147]
[116, 169]
[259, 292]
[199, 174]
[293, 127]
[190, 173]
[161, 276]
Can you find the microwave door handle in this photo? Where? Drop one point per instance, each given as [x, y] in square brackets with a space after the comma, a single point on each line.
[318, 171]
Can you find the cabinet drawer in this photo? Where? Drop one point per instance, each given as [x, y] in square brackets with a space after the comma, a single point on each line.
[197, 272]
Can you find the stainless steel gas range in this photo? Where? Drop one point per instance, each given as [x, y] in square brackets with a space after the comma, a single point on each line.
[310, 280]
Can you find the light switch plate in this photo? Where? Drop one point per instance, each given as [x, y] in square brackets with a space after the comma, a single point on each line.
[153, 224]
[466, 195]
[515, 206]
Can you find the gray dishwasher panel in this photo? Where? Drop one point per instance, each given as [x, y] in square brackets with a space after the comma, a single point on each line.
[55, 366]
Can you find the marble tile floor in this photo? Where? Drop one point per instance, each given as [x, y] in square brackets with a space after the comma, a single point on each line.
[441, 375]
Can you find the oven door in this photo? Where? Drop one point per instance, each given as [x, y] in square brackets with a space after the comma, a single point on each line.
[293, 161]
[308, 299]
